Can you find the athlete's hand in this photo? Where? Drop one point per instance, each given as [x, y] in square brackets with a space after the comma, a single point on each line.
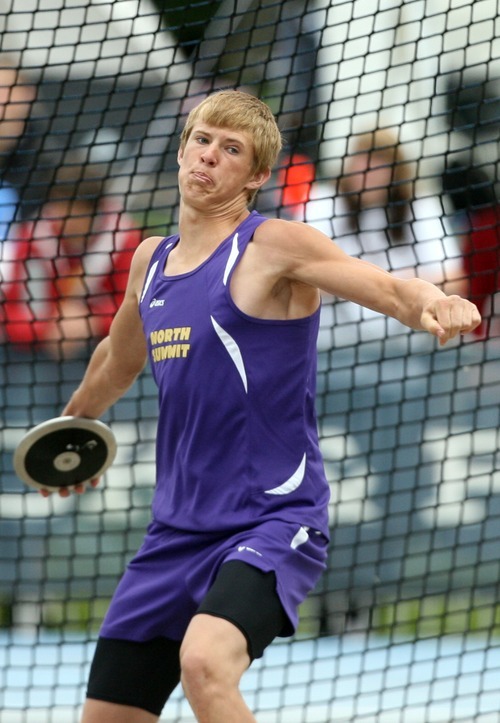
[448, 316]
[77, 490]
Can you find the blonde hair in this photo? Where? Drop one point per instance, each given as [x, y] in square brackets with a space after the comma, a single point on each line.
[384, 142]
[240, 111]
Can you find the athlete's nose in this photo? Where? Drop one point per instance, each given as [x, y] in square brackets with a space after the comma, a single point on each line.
[209, 155]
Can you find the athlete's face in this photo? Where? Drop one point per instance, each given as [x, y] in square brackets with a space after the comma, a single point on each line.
[216, 166]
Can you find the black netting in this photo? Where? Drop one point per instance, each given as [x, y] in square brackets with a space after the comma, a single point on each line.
[390, 111]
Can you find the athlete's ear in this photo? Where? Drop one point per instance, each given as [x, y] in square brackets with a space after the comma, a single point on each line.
[180, 154]
[259, 179]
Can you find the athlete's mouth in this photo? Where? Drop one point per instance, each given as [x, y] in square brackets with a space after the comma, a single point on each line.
[203, 177]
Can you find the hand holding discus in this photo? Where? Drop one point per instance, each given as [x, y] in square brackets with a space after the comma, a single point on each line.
[64, 455]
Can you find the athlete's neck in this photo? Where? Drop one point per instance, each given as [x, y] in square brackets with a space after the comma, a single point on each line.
[199, 236]
[201, 232]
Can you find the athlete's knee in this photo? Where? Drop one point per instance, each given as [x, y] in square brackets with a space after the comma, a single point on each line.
[201, 664]
[197, 667]
[201, 676]
[212, 664]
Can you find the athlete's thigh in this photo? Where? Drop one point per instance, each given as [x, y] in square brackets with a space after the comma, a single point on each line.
[246, 597]
[137, 675]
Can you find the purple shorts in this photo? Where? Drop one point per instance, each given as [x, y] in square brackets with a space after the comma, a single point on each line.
[172, 572]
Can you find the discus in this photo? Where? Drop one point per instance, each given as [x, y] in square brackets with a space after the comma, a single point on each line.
[64, 452]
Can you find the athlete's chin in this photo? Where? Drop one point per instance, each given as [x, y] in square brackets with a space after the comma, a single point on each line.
[194, 195]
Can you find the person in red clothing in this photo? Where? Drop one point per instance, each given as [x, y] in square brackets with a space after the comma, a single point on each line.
[64, 275]
[296, 177]
[481, 261]
[477, 208]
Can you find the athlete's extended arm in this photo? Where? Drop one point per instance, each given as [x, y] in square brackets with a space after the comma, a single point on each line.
[113, 367]
[117, 359]
[308, 257]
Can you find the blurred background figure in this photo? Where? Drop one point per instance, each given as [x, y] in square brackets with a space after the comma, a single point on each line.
[64, 275]
[290, 70]
[376, 214]
[295, 180]
[17, 96]
[476, 221]
[372, 212]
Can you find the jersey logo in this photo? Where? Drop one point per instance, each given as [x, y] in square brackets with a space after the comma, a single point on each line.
[157, 302]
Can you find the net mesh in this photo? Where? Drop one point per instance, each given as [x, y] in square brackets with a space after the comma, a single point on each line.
[405, 623]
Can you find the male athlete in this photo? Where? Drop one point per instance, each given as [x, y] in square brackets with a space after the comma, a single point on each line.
[227, 313]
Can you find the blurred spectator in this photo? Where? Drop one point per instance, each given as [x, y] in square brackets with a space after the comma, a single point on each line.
[21, 137]
[64, 275]
[376, 214]
[476, 214]
[371, 212]
[290, 71]
[295, 180]
[15, 103]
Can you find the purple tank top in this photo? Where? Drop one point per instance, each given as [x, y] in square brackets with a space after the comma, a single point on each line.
[237, 436]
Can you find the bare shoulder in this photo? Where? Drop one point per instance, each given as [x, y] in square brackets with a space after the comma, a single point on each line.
[147, 247]
[280, 231]
[140, 262]
[290, 243]
[145, 251]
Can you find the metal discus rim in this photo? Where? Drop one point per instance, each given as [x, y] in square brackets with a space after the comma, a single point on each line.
[63, 452]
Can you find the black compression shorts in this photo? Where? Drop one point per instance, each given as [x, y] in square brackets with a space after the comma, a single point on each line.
[144, 674]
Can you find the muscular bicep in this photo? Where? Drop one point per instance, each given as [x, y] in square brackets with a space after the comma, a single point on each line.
[308, 257]
[351, 279]
[127, 343]
[126, 338]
